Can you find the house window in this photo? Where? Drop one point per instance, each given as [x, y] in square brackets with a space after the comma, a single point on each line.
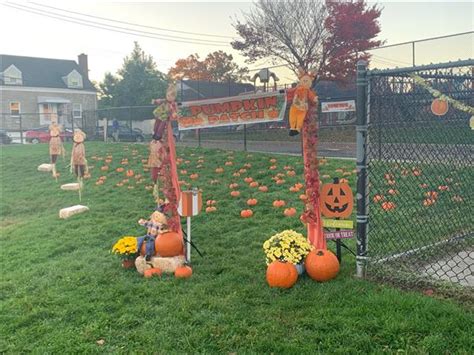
[15, 109]
[76, 110]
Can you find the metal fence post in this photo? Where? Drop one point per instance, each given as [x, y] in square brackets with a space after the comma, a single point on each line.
[361, 164]
[21, 130]
[245, 137]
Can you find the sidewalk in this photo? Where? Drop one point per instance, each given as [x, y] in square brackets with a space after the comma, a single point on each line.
[326, 149]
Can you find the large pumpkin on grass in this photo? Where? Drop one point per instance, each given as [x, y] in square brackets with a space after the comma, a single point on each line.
[169, 244]
[183, 272]
[321, 265]
[282, 275]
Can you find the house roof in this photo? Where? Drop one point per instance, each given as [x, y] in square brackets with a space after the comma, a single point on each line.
[200, 90]
[43, 72]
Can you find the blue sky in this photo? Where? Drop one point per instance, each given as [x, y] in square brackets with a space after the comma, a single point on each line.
[401, 21]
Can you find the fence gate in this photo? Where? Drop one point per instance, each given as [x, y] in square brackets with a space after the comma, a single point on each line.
[415, 185]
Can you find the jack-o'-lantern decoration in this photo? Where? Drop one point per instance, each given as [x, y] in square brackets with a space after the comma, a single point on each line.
[439, 107]
[336, 200]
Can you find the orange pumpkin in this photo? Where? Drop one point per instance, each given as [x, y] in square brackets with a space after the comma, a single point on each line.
[282, 275]
[248, 180]
[183, 272]
[236, 174]
[233, 186]
[378, 198]
[303, 197]
[247, 165]
[273, 167]
[169, 244]
[194, 176]
[254, 184]
[321, 265]
[235, 193]
[242, 171]
[219, 170]
[279, 203]
[273, 160]
[252, 201]
[291, 173]
[439, 107]
[152, 272]
[211, 209]
[263, 188]
[130, 173]
[229, 163]
[289, 212]
[246, 213]
[119, 170]
[104, 168]
[280, 182]
[336, 200]
[387, 206]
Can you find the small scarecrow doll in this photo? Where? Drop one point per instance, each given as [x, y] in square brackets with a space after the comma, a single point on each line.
[55, 146]
[156, 225]
[78, 157]
[301, 95]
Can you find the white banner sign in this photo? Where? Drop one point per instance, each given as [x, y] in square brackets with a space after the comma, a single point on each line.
[338, 106]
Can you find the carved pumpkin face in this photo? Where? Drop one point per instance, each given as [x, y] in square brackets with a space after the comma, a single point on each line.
[336, 200]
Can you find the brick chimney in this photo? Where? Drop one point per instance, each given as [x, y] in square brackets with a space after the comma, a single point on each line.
[82, 61]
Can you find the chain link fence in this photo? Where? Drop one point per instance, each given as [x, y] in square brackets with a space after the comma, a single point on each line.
[416, 170]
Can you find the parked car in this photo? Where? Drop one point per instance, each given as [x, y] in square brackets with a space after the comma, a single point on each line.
[135, 135]
[4, 137]
[125, 134]
[41, 135]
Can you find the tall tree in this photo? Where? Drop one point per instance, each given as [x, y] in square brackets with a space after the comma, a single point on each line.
[191, 68]
[136, 84]
[107, 90]
[218, 66]
[328, 37]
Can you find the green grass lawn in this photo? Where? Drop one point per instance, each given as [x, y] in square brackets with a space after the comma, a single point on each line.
[62, 290]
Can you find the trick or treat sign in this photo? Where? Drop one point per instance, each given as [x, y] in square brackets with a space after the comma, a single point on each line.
[234, 110]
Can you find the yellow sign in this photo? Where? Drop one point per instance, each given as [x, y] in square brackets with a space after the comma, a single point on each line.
[338, 223]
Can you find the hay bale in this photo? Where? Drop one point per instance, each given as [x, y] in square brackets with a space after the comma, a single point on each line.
[73, 186]
[45, 168]
[168, 265]
[71, 211]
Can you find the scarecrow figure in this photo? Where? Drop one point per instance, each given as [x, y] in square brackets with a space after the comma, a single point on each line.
[301, 95]
[55, 146]
[78, 157]
[159, 156]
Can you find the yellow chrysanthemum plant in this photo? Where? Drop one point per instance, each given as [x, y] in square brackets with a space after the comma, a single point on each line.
[287, 246]
[126, 247]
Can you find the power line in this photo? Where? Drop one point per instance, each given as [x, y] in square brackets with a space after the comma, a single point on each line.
[131, 23]
[106, 27]
[44, 12]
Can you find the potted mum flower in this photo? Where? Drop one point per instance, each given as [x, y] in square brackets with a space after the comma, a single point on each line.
[127, 249]
[287, 246]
